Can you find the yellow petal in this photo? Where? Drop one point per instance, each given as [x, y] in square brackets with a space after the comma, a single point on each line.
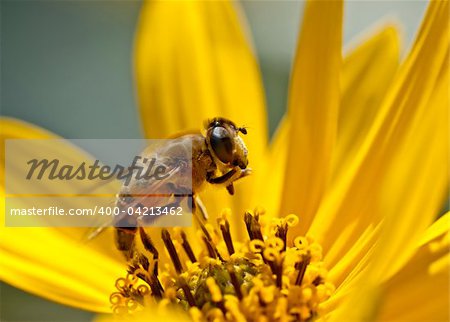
[56, 263]
[419, 291]
[364, 193]
[423, 159]
[269, 181]
[439, 227]
[11, 128]
[150, 313]
[363, 263]
[47, 263]
[193, 62]
[360, 73]
[313, 107]
[366, 75]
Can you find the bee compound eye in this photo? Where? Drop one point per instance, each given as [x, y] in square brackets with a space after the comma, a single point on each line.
[222, 144]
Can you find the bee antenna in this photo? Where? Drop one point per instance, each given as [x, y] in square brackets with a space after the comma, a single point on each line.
[243, 130]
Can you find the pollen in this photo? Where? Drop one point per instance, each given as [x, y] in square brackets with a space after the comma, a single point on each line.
[264, 278]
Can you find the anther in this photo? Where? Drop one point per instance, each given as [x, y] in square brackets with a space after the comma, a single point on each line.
[216, 294]
[282, 233]
[187, 292]
[253, 226]
[234, 281]
[212, 288]
[172, 251]
[147, 242]
[148, 245]
[187, 247]
[225, 228]
[156, 287]
[301, 268]
[279, 273]
[209, 248]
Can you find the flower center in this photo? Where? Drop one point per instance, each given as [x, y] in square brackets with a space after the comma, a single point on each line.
[264, 277]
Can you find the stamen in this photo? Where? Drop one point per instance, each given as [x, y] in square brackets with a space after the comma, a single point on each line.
[144, 274]
[209, 243]
[291, 220]
[318, 280]
[279, 273]
[196, 314]
[147, 242]
[253, 226]
[209, 247]
[172, 251]
[148, 245]
[301, 268]
[264, 278]
[234, 281]
[128, 296]
[282, 233]
[156, 287]
[225, 228]
[187, 247]
[216, 294]
[187, 292]
[205, 231]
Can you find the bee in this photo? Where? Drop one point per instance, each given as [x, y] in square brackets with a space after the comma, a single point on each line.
[216, 157]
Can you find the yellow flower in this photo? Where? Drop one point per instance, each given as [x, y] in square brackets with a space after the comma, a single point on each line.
[361, 157]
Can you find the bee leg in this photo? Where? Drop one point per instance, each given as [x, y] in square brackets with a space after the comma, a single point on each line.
[125, 236]
[149, 246]
[230, 189]
[229, 177]
[223, 178]
[125, 240]
[198, 204]
[244, 173]
[148, 221]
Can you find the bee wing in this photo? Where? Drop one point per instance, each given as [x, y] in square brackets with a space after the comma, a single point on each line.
[102, 224]
[151, 192]
[156, 191]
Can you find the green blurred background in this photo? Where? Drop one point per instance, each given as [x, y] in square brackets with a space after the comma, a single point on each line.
[67, 66]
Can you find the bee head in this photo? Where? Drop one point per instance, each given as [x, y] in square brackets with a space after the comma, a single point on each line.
[224, 142]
